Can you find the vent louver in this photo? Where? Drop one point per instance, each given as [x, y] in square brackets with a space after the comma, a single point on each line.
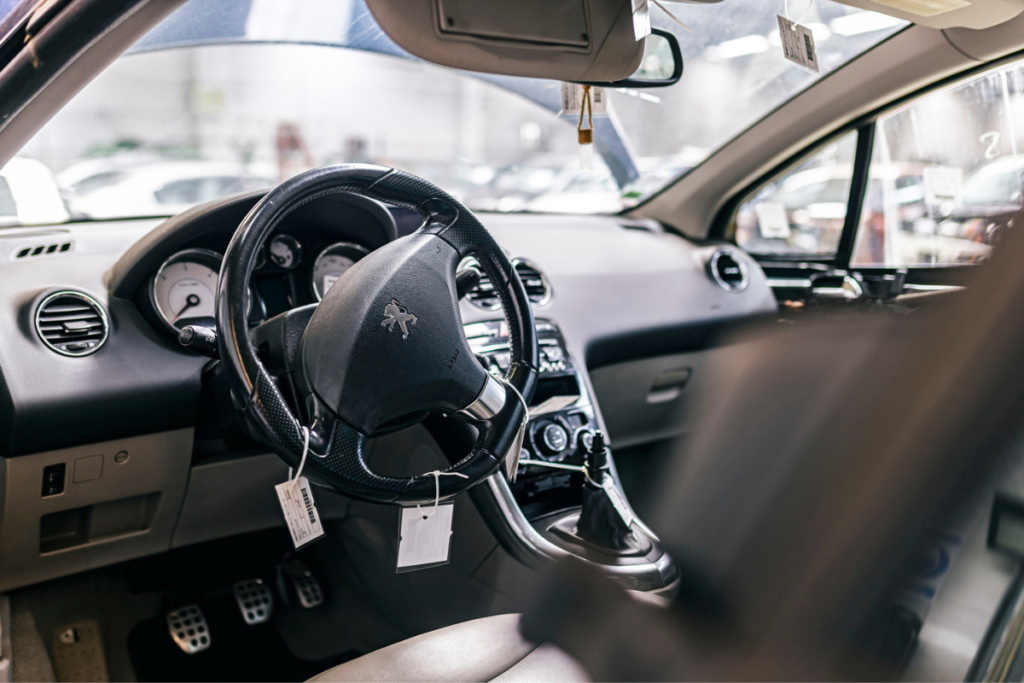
[42, 250]
[483, 295]
[537, 287]
[72, 323]
[728, 271]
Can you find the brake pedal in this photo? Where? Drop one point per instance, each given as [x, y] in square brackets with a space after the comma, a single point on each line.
[189, 629]
[304, 584]
[255, 601]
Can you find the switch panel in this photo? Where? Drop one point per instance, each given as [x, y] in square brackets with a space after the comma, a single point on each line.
[53, 479]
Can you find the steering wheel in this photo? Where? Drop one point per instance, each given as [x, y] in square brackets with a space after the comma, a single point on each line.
[385, 343]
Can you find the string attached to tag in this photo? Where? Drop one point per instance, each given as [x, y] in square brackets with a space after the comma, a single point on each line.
[437, 474]
[296, 498]
[305, 452]
[586, 135]
[803, 16]
[672, 16]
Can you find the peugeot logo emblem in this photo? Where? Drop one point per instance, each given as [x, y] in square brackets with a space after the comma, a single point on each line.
[393, 313]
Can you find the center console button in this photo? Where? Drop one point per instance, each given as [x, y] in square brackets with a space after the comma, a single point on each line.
[555, 439]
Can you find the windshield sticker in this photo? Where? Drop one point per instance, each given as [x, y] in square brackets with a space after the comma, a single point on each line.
[772, 220]
[641, 19]
[943, 186]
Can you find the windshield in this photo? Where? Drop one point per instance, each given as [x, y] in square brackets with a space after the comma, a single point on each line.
[233, 95]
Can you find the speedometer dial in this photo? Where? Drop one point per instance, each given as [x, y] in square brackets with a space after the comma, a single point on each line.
[184, 289]
[332, 263]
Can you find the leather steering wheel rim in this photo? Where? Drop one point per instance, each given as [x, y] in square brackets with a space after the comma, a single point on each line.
[336, 459]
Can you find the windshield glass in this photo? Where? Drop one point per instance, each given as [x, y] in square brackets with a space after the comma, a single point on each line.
[233, 95]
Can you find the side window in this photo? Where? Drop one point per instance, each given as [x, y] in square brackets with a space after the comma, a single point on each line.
[802, 211]
[946, 175]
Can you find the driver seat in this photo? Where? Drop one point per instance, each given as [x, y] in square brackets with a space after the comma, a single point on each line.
[488, 649]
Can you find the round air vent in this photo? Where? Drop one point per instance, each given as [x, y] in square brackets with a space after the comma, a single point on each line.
[483, 295]
[728, 271]
[72, 323]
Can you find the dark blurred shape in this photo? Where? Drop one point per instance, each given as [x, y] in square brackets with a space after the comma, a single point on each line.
[826, 451]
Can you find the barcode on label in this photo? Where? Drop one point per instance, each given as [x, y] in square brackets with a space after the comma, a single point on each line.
[810, 48]
[309, 506]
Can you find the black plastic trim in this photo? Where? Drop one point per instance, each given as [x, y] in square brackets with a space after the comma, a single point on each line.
[858, 189]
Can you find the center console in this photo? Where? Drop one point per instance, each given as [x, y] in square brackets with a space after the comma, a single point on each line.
[537, 517]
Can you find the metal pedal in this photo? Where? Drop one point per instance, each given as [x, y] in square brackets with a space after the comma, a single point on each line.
[304, 584]
[255, 601]
[189, 629]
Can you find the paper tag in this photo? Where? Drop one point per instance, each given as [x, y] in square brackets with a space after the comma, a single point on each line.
[641, 19]
[618, 502]
[943, 185]
[553, 405]
[425, 536]
[299, 511]
[515, 453]
[772, 219]
[572, 99]
[798, 44]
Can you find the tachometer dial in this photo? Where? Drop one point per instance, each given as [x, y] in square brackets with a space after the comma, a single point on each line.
[332, 263]
[285, 252]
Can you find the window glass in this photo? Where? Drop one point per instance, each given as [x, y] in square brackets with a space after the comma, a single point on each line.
[946, 175]
[264, 89]
[802, 211]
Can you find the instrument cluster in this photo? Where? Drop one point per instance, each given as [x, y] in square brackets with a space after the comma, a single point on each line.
[287, 274]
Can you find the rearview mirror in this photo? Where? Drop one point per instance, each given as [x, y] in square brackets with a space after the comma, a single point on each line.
[661, 65]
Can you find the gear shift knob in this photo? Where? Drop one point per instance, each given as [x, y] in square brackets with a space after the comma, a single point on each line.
[597, 457]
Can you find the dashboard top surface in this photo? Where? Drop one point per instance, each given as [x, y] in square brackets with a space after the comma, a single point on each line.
[615, 284]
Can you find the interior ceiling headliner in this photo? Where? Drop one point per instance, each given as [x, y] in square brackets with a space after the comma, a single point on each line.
[942, 14]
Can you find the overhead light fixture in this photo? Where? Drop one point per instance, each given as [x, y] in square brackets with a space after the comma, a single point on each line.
[863, 22]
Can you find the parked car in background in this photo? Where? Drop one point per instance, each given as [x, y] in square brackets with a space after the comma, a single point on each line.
[29, 194]
[160, 188]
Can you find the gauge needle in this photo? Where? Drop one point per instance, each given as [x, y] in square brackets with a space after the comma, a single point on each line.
[191, 301]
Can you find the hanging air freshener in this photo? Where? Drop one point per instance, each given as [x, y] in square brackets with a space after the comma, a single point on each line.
[586, 135]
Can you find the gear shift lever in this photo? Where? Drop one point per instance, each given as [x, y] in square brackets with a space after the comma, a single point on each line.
[599, 522]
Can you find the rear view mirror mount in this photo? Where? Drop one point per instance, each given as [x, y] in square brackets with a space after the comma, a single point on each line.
[660, 66]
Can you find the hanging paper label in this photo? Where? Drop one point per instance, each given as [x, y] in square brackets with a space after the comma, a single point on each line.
[572, 99]
[641, 19]
[772, 220]
[299, 511]
[943, 185]
[798, 44]
[425, 536]
[514, 454]
[618, 502]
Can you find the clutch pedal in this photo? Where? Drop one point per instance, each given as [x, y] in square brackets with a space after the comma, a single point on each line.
[255, 601]
[304, 584]
[189, 629]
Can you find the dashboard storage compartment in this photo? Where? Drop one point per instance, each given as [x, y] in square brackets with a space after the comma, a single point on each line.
[103, 521]
[123, 503]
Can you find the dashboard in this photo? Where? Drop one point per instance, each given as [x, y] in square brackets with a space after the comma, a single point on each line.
[92, 373]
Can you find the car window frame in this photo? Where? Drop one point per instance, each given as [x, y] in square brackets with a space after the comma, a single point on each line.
[917, 277]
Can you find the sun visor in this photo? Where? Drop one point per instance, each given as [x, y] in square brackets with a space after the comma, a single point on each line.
[567, 40]
[942, 14]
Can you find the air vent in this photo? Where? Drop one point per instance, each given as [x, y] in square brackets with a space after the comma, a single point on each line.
[537, 287]
[71, 323]
[30, 251]
[728, 271]
[483, 295]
